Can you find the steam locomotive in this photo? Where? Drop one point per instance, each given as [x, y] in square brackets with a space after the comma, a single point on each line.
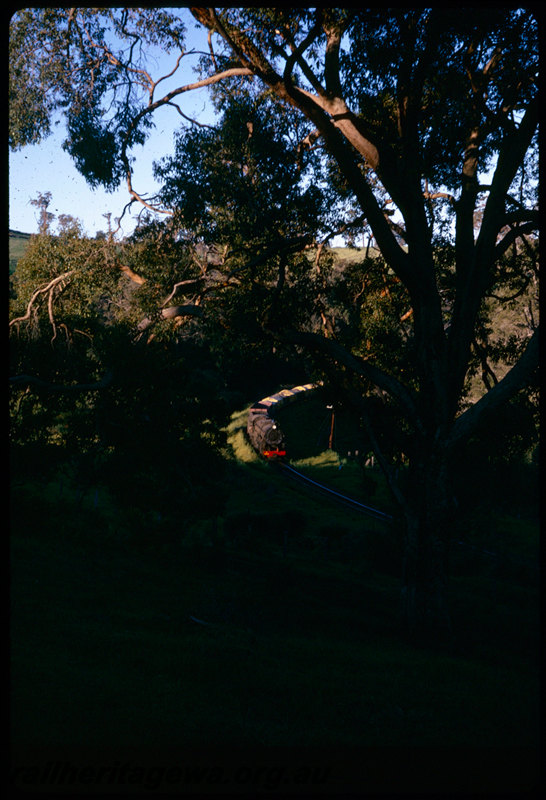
[263, 431]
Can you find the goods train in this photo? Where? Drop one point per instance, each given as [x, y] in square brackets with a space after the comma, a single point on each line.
[263, 431]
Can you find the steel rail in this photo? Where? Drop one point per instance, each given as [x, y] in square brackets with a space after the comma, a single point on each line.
[369, 510]
[383, 517]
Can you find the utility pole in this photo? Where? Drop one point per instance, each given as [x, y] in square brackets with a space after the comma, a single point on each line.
[331, 439]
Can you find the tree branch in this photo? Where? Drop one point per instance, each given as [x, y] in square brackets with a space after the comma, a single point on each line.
[132, 275]
[42, 290]
[357, 365]
[390, 474]
[511, 157]
[297, 56]
[331, 61]
[153, 106]
[518, 377]
[337, 124]
[513, 234]
[475, 262]
[38, 383]
[172, 312]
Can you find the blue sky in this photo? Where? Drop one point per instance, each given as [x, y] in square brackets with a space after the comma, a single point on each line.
[46, 167]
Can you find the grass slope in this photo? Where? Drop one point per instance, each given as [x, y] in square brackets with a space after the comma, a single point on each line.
[18, 243]
[238, 635]
[275, 625]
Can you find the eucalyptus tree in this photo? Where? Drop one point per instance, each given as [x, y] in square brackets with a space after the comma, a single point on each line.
[418, 126]
[96, 387]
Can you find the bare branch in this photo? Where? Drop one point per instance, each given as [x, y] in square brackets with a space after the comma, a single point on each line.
[173, 312]
[515, 232]
[168, 75]
[438, 195]
[518, 377]
[297, 56]
[132, 275]
[511, 156]
[359, 366]
[487, 372]
[212, 79]
[150, 108]
[211, 49]
[50, 314]
[194, 282]
[42, 290]
[38, 383]
[331, 61]
[190, 119]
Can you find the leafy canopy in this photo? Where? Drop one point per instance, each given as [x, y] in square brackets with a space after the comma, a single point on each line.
[354, 119]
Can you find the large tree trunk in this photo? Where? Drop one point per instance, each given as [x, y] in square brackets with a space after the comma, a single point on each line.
[429, 520]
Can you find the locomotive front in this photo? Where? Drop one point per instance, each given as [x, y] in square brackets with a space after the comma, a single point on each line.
[274, 442]
[266, 436]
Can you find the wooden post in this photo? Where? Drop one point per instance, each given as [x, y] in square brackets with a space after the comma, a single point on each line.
[330, 441]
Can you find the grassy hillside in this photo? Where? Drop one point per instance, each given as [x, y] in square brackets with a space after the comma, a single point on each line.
[274, 625]
[18, 243]
[353, 253]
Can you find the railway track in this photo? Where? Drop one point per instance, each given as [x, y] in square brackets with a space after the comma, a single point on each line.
[268, 441]
[370, 511]
[351, 502]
